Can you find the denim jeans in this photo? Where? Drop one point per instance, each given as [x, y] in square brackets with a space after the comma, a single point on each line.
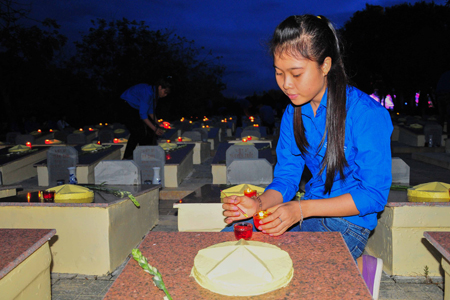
[354, 236]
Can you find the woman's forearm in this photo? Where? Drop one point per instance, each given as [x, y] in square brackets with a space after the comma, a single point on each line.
[341, 206]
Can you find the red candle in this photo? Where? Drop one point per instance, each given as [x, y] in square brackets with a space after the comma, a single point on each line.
[98, 142]
[49, 196]
[244, 140]
[243, 231]
[249, 192]
[39, 130]
[259, 216]
[180, 139]
[116, 141]
[28, 144]
[249, 138]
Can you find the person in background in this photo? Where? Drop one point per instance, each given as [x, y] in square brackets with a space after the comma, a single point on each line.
[62, 124]
[340, 133]
[138, 111]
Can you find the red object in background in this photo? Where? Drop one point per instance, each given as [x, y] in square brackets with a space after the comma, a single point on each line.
[39, 130]
[249, 192]
[249, 138]
[98, 142]
[116, 141]
[259, 216]
[168, 156]
[243, 231]
[28, 144]
[180, 139]
[166, 125]
[244, 140]
[47, 142]
[49, 196]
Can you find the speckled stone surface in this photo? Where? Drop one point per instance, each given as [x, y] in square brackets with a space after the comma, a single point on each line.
[18, 244]
[440, 240]
[323, 267]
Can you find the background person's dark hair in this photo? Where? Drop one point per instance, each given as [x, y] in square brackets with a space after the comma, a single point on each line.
[315, 38]
[165, 82]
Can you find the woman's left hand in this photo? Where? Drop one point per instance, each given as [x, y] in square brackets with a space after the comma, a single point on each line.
[283, 216]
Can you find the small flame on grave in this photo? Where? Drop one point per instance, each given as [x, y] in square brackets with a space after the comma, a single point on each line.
[81, 129]
[47, 142]
[106, 124]
[168, 156]
[190, 122]
[180, 139]
[244, 140]
[39, 130]
[116, 140]
[90, 129]
[98, 142]
[28, 197]
[101, 124]
[28, 144]
[181, 201]
[168, 141]
[51, 130]
[255, 125]
[249, 138]
[182, 119]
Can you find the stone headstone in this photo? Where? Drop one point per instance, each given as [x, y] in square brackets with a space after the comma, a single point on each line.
[240, 152]
[433, 130]
[252, 132]
[195, 136]
[203, 132]
[77, 139]
[252, 171]
[400, 171]
[59, 158]
[106, 135]
[60, 135]
[147, 157]
[11, 137]
[22, 139]
[119, 172]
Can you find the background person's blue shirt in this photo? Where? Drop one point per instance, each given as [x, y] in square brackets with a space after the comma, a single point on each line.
[368, 178]
[141, 97]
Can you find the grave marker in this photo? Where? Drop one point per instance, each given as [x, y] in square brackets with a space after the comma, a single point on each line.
[119, 172]
[400, 171]
[147, 157]
[59, 158]
[240, 152]
[203, 132]
[195, 136]
[252, 171]
[76, 138]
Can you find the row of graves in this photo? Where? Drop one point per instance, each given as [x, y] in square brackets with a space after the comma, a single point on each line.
[94, 234]
[96, 223]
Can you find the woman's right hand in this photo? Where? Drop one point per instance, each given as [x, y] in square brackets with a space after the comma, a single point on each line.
[232, 213]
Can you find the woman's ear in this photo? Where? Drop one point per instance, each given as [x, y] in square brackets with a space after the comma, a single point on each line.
[326, 66]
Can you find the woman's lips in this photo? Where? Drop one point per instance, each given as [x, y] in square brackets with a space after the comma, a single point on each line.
[292, 96]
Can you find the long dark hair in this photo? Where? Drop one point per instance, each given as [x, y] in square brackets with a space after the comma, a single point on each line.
[314, 38]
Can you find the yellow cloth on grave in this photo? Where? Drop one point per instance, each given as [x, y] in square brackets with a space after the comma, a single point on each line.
[91, 147]
[429, 192]
[51, 142]
[122, 140]
[245, 144]
[242, 268]
[239, 190]
[168, 146]
[18, 149]
[119, 130]
[416, 126]
[186, 139]
[72, 193]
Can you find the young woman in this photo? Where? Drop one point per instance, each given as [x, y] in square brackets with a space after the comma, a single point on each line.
[342, 136]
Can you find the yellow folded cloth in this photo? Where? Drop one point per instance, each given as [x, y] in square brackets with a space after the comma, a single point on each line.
[119, 130]
[245, 144]
[122, 140]
[416, 126]
[91, 147]
[429, 192]
[72, 193]
[186, 139]
[18, 148]
[168, 146]
[239, 190]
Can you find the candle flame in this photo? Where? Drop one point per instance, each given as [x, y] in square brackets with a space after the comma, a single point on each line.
[81, 129]
[39, 130]
[168, 141]
[244, 140]
[261, 213]
[51, 130]
[180, 139]
[28, 196]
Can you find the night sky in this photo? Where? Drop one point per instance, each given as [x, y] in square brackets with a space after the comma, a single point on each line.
[236, 30]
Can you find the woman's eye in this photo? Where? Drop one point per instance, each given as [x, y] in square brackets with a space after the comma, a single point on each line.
[298, 75]
[278, 74]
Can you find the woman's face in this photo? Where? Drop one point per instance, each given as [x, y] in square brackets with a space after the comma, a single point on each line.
[301, 79]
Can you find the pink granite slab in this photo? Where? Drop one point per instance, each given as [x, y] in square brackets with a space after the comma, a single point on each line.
[18, 244]
[440, 240]
[323, 267]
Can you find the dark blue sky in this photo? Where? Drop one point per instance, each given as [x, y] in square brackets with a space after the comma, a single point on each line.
[236, 30]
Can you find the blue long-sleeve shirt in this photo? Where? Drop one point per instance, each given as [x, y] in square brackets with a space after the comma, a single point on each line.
[368, 178]
[141, 97]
